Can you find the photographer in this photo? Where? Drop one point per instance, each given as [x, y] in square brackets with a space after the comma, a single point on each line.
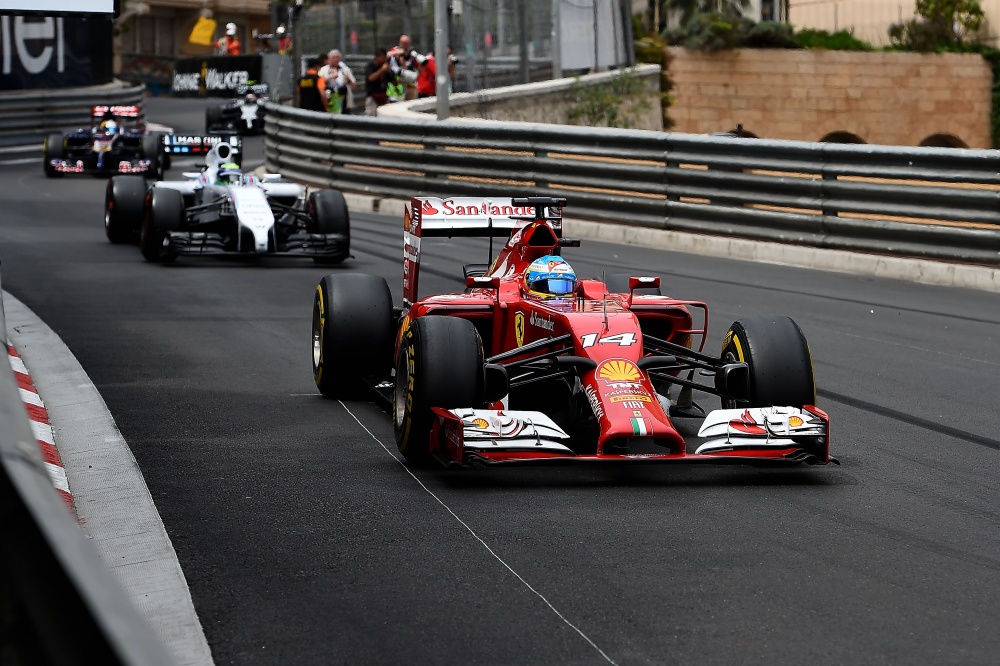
[427, 78]
[378, 76]
[405, 63]
[340, 83]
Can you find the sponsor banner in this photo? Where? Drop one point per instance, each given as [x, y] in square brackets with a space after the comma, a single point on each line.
[46, 52]
[215, 76]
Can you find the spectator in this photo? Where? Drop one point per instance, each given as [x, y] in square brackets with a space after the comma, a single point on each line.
[284, 41]
[378, 76]
[405, 64]
[229, 44]
[340, 83]
[312, 88]
[427, 79]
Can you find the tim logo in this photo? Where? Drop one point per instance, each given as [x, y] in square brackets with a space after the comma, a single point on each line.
[34, 42]
[427, 209]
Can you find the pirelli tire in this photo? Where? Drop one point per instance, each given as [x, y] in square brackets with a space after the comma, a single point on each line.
[352, 334]
[779, 360]
[152, 150]
[439, 364]
[164, 213]
[52, 149]
[328, 215]
[124, 204]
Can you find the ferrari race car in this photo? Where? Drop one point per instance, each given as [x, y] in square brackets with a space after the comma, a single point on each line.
[116, 142]
[223, 211]
[530, 365]
[243, 115]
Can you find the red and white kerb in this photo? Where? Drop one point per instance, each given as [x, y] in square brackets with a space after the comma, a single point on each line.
[40, 426]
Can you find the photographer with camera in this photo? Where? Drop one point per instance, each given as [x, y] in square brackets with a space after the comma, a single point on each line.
[406, 63]
[340, 83]
[378, 76]
[427, 78]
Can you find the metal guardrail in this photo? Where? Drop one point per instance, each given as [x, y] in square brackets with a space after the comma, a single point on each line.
[59, 603]
[938, 203]
[25, 118]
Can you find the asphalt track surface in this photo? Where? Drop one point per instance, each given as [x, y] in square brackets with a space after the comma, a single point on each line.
[305, 541]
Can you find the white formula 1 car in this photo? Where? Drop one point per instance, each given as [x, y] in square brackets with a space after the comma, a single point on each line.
[223, 211]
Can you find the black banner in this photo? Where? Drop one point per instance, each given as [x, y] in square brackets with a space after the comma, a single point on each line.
[215, 76]
[53, 52]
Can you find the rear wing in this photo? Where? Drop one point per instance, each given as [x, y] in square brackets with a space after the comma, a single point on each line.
[431, 217]
[183, 144]
[102, 110]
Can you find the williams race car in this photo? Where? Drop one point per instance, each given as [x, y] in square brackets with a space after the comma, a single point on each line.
[223, 211]
[243, 115]
[116, 142]
[531, 365]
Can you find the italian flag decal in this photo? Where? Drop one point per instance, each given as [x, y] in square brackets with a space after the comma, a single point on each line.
[640, 427]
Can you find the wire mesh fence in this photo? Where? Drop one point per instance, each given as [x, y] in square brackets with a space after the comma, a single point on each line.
[497, 42]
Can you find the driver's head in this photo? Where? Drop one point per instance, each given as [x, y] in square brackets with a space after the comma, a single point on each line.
[109, 127]
[550, 277]
[228, 174]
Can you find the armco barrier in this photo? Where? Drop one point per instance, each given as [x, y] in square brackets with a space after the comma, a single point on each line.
[59, 604]
[26, 117]
[937, 203]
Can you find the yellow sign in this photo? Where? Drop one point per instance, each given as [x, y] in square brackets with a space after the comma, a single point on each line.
[203, 31]
[519, 328]
[795, 421]
[624, 398]
[618, 371]
[480, 423]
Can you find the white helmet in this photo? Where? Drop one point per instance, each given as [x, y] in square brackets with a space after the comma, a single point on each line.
[230, 28]
[281, 29]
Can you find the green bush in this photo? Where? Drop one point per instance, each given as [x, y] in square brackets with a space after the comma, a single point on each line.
[617, 103]
[842, 40]
[770, 35]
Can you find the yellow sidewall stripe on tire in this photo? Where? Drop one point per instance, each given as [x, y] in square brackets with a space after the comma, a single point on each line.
[322, 331]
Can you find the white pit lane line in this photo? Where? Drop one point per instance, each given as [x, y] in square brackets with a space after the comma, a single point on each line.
[480, 540]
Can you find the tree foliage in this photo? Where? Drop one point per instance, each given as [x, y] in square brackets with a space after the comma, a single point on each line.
[617, 103]
[938, 25]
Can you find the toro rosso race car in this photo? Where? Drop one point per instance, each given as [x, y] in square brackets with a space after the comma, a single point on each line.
[223, 211]
[531, 365]
[243, 115]
[116, 142]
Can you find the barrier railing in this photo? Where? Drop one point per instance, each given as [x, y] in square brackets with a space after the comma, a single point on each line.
[59, 603]
[939, 203]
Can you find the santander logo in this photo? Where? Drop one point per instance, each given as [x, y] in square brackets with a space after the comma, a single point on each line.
[427, 209]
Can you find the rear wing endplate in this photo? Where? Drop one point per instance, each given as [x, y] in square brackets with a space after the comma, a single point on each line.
[431, 217]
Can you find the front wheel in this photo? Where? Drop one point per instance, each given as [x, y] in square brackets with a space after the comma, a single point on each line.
[439, 364]
[164, 213]
[778, 357]
[52, 149]
[352, 333]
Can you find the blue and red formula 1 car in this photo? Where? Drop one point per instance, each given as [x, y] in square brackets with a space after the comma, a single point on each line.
[530, 365]
[116, 143]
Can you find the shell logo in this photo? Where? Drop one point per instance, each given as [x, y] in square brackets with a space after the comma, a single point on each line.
[618, 371]
[795, 421]
[482, 424]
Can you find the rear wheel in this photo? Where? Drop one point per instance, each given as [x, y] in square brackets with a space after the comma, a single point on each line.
[152, 150]
[123, 208]
[164, 213]
[328, 215]
[440, 364]
[213, 118]
[776, 351]
[352, 333]
[617, 283]
[52, 149]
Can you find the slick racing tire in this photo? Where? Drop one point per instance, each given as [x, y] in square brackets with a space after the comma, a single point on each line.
[617, 283]
[781, 368]
[123, 208]
[213, 118]
[328, 215]
[352, 333]
[152, 150]
[52, 149]
[164, 213]
[439, 364]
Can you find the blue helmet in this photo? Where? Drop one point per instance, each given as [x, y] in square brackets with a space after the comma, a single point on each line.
[109, 127]
[550, 277]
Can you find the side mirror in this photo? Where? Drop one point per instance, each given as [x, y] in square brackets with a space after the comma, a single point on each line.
[483, 282]
[643, 282]
[497, 382]
[270, 178]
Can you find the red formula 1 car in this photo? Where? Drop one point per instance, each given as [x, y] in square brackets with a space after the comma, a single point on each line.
[601, 370]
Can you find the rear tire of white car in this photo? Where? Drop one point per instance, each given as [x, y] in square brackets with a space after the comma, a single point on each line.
[52, 149]
[439, 364]
[781, 368]
[352, 334]
[123, 208]
[328, 215]
[164, 213]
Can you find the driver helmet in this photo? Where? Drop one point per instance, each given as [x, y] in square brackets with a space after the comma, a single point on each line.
[109, 127]
[228, 174]
[251, 98]
[281, 29]
[231, 29]
[550, 277]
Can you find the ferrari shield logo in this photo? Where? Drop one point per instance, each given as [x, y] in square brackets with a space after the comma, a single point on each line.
[519, 328]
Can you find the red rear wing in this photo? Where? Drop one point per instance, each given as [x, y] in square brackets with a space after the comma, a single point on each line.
[117, 111]
[431, 217]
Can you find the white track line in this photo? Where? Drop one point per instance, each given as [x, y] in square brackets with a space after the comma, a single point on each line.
[477, 538]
